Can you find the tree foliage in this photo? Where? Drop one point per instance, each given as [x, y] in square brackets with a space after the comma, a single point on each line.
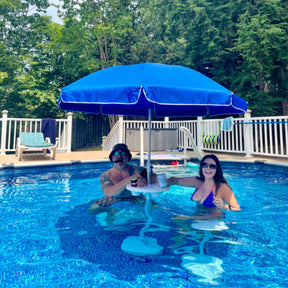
[27, 88]
[241, 44]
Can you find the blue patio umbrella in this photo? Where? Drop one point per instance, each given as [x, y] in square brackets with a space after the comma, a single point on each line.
[149, 88]
[168, 90]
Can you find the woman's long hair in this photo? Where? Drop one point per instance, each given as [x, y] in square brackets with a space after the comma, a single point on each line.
[218, 177]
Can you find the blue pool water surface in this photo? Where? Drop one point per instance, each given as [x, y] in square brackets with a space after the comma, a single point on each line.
[49, 240]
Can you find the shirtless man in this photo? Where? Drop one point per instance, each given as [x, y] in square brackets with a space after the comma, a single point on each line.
[113, 182]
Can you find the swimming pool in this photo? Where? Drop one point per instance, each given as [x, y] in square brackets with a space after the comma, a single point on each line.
[48, 239]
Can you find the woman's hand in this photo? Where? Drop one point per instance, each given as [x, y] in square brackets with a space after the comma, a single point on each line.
[219, 203]
[141, 182]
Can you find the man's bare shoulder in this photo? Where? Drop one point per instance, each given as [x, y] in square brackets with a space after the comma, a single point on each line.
[106, 174]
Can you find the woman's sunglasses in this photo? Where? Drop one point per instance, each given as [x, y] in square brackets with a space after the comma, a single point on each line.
[117, 153]
[211, 166]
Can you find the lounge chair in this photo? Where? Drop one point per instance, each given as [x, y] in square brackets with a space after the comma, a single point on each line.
[34, 142]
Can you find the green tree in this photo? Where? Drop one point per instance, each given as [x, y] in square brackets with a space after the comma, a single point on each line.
[26, 86]
[262, 41]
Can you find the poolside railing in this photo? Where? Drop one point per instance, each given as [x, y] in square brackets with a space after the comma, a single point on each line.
[11, 128]
[250, 136]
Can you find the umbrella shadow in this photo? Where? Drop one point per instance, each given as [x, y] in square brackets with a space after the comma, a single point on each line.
[85, 236]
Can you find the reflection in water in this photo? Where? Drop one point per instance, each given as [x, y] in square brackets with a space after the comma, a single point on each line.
[206, 268]
[81, 236]
[113, 218]
[143, 245]
[184, 224]
[135, 245]
[199, 228]
[184, 239]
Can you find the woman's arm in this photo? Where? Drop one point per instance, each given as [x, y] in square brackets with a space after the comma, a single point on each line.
[142, 180]
[225, 199]
[184, 181]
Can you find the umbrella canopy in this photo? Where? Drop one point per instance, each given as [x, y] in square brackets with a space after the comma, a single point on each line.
[166, 90]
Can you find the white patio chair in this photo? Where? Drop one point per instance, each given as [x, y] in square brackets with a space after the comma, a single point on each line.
[34, 142]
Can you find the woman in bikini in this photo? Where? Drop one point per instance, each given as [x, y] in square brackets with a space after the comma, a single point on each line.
[212, 189]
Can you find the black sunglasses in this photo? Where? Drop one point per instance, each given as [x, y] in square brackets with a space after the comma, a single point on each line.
[117, 153]
[211, 166]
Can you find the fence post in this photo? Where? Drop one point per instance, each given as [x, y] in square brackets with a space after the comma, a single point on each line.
[121, 129]
[199, 134]
[69, 134]
[248, 139]
[103, 142]
[4, 132]
[166, 122]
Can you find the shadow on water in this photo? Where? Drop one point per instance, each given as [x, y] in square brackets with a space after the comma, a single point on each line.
[97, 238]
[83, 236]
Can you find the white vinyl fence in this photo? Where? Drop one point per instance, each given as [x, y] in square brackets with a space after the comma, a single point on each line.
[250, 136]
[11, 128]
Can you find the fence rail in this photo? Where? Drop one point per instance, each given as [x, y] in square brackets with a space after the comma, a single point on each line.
[251, 136]
[11, 128]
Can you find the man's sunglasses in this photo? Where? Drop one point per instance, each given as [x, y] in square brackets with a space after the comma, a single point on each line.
[117, 153]
[211, 166]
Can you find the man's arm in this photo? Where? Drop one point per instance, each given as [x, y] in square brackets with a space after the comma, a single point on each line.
[110, 189]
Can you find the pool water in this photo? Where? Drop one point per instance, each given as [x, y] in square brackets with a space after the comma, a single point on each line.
[49, 240]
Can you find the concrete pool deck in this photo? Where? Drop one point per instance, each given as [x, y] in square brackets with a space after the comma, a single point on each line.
[90, 156]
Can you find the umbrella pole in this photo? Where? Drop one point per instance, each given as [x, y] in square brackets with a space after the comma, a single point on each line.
[149, 146]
